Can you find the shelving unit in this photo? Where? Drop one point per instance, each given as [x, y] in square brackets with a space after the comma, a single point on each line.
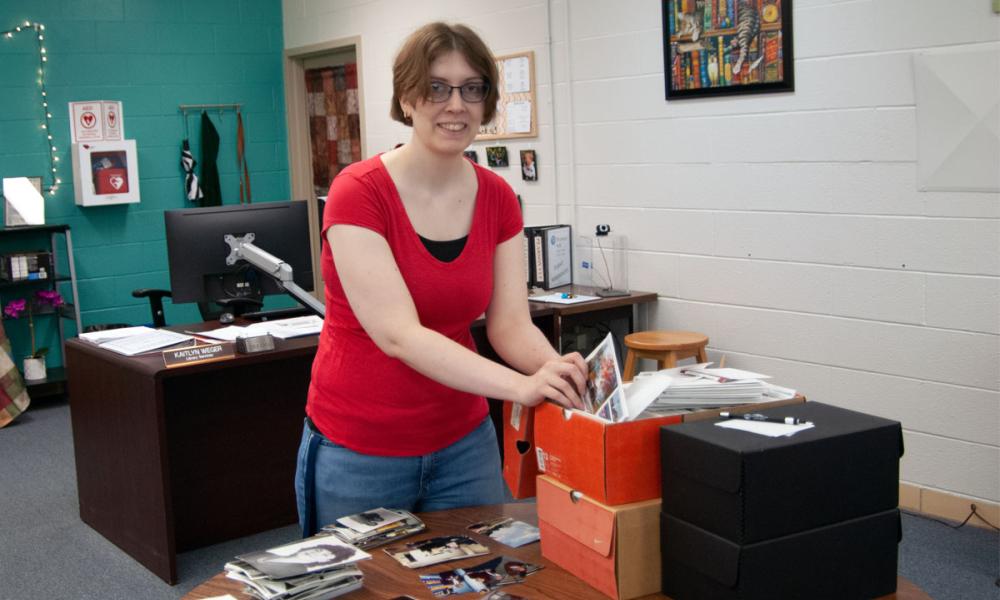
[55, 382]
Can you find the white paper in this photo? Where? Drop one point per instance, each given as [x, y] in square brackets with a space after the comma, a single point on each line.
[764, 427]
[559, 299]
[516, 77]
[22, 196]
[519, 117]
[641, 392]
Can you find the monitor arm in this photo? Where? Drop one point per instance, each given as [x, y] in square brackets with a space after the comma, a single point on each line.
[274, 267]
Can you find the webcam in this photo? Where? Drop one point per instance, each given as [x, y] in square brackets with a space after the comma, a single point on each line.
[603, 229]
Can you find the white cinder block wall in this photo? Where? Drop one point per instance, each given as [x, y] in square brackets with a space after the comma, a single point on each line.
[787, 227]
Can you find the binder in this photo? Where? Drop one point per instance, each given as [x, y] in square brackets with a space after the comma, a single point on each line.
[549, 256]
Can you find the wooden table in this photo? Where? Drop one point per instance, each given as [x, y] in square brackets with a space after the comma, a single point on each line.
[385, 578]
[169, 460]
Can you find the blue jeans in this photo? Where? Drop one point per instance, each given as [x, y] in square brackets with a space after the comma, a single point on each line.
[466, 473]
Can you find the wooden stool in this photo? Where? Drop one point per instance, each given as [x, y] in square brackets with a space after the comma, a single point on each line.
[665, 347]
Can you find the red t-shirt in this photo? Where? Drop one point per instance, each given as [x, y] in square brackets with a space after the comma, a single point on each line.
[363, 399]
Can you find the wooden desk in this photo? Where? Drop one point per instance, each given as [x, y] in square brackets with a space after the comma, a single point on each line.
[169, 460]
[385, 578]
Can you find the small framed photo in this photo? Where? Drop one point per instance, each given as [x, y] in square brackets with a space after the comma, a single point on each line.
[472, 155]
[496, 156]
[529, 166]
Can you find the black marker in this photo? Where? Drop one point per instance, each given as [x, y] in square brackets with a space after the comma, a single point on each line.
[765, 418]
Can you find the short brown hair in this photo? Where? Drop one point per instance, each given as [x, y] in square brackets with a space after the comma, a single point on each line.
[410, 70]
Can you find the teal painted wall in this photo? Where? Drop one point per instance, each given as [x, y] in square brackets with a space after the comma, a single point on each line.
[152, 55]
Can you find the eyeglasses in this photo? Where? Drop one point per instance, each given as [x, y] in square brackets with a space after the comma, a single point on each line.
[474, 91]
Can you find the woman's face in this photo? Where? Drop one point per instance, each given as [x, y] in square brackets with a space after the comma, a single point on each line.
[447, 127]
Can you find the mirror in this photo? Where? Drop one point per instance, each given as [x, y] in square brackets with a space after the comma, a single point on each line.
[23, 201]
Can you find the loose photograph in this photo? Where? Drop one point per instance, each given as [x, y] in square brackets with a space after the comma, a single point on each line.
[603, 377]
[436, 550]
[507, 531]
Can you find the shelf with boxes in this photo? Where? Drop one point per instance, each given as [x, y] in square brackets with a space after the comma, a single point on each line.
[33, 285]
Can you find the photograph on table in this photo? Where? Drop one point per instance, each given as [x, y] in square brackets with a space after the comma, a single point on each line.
[507, 531]
[496, 156]
[436, 550]
[483, 577]
[724, 47]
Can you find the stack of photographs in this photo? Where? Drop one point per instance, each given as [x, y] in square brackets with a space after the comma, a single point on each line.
[375, 527]
[481, 578]
[316, 568]
[436, 550]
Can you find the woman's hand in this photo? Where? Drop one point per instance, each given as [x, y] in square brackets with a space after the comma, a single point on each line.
[560, 380]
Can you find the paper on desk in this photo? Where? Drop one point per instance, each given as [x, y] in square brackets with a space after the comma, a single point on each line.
[227, 334]
[99, 337]
[281, 328]
[764, 427]
[558, 298]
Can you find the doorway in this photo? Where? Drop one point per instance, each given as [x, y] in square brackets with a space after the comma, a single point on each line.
[324, 107]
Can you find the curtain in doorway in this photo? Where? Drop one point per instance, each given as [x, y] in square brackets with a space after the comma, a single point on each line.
[14, 398]
[334, 124]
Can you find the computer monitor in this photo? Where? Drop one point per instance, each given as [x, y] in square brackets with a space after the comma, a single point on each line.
[197, 250]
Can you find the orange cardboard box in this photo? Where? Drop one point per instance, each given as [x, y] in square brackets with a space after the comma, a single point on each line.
[613, 463]
[520, 466]
[615, 549]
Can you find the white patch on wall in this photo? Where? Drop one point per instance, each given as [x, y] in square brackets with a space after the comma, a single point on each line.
[958, 120]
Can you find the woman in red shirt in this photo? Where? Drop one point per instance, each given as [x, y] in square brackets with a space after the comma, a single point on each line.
[418, 243]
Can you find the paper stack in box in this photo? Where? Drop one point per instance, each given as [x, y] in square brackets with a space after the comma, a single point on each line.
[315, 568]
[698, 386]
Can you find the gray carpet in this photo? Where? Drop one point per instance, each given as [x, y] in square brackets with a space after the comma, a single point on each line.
[47, 552]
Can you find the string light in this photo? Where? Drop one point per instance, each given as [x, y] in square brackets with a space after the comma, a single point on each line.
[43, 59]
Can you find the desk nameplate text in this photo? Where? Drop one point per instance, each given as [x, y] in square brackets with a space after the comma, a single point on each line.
[196, 355]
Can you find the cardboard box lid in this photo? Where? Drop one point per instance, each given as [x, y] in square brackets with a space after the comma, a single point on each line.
[587, 521]
[717, 457]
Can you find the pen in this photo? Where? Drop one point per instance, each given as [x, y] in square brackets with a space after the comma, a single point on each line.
[765, 418]
[698, 373]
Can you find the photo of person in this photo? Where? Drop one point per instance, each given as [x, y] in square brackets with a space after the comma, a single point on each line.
[496, 156]
[528, 169]
[472, 155]
[603, 377]
[293, 560]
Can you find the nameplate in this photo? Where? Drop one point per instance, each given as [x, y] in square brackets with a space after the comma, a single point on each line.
[196, 355]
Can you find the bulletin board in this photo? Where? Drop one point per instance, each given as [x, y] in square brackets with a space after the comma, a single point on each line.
[517, 109]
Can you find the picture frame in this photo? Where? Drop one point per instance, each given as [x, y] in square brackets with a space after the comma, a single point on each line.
[496, 156]
[471, 155]
[529, 165]
[727, 47]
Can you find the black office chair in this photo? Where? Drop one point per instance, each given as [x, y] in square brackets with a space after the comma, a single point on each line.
[156, 297]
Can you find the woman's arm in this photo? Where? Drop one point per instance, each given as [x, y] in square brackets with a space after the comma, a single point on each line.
[382, 304]
[508, 321]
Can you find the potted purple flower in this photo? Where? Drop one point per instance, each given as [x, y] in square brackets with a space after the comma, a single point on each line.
[34, 363]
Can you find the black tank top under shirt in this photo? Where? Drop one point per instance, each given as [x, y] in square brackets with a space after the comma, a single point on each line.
[445, 251]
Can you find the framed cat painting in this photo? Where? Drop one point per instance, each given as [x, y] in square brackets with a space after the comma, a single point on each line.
[725, 47]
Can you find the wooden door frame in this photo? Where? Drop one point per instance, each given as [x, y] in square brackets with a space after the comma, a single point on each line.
[300, 171]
